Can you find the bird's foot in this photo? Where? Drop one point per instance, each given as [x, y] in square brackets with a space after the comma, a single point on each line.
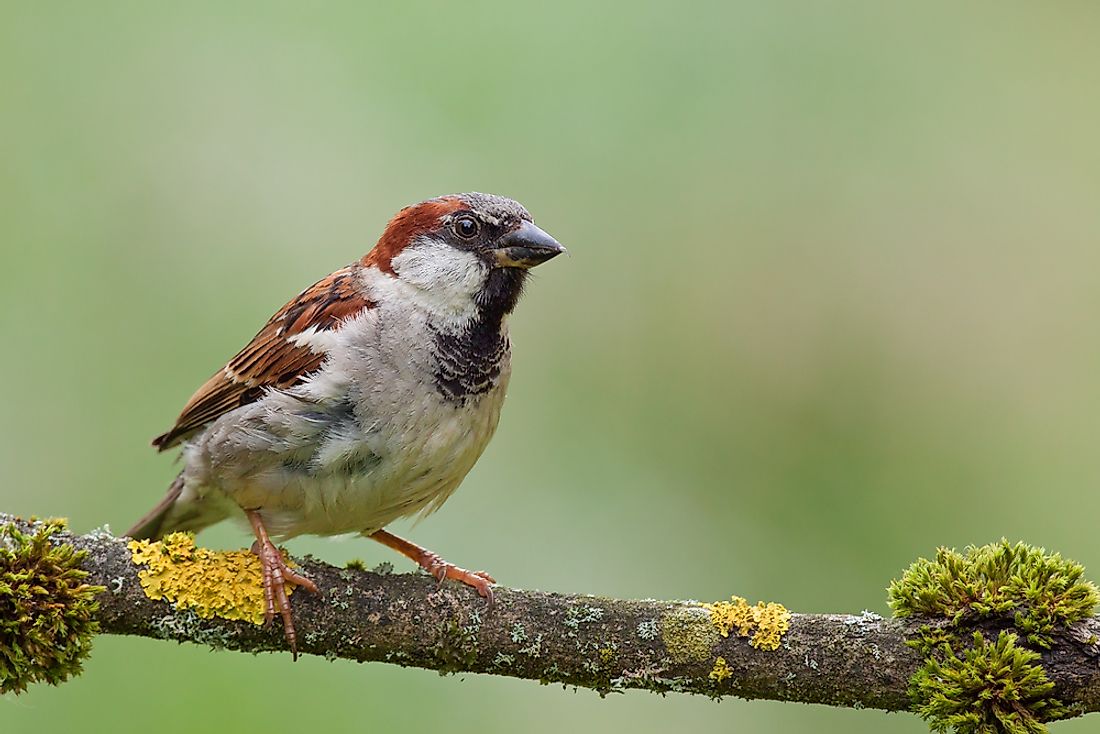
[443, 570]
[436, 566]
[276, 575]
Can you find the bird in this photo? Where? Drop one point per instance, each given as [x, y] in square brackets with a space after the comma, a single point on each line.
[367, 398]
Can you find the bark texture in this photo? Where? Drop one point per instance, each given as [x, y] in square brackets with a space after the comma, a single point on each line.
[593, 642]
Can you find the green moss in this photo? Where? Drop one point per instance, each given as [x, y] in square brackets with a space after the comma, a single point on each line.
[1036, 589]
[967, 683]
[991, 688]
[46, 610]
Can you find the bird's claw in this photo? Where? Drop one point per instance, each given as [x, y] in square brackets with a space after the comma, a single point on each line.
[276, 575]
[443, 570]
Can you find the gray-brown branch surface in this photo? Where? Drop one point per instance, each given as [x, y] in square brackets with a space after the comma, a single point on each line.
[605, 644]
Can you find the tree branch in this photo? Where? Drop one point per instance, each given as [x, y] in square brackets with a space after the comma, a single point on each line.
[609, 645]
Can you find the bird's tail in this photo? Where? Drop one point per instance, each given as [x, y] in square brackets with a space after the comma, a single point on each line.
[152, 526]
[177, 511]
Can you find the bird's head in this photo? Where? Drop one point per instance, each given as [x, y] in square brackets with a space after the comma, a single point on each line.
[463, 250]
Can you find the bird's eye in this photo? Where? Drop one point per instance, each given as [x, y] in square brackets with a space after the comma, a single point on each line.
[466, 227]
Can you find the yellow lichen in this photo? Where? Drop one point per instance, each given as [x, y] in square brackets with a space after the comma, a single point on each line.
[765, 622]
[227, 584]
[721, 671]
[688, 635]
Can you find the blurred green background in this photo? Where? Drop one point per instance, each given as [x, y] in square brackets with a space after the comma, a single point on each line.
[832, 302]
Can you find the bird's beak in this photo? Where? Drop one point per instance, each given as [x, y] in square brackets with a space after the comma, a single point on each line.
[525, 247]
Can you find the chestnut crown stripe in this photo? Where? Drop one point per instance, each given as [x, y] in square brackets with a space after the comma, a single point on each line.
[406, 225]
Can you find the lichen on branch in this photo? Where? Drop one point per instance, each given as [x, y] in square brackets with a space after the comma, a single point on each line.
[226, 584]
[764, 623]
[719, 649]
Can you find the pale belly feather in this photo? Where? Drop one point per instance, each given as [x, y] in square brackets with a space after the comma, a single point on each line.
[406, 466]
[430, 460]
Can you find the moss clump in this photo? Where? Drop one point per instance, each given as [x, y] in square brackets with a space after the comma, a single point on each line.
[226, 584]
[977, 686]
[765, 622]
[991, 688]
[46, 610]
[1038, 590]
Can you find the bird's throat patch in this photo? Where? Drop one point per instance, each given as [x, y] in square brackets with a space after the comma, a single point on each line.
[469, 362]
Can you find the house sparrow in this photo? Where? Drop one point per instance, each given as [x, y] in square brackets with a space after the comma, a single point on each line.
[366, 398]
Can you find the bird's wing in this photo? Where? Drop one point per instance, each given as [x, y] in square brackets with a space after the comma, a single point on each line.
[279, 356]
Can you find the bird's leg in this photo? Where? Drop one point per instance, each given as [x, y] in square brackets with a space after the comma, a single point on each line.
[276, 575]
[435, 565]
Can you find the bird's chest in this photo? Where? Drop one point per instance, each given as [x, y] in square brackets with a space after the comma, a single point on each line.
[424, 451]
[389, 428]
[447, 418]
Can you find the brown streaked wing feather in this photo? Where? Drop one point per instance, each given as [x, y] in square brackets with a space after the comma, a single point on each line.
[270, 360]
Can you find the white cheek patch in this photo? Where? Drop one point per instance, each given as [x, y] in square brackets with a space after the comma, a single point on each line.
[437, 266]
[435, 276]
